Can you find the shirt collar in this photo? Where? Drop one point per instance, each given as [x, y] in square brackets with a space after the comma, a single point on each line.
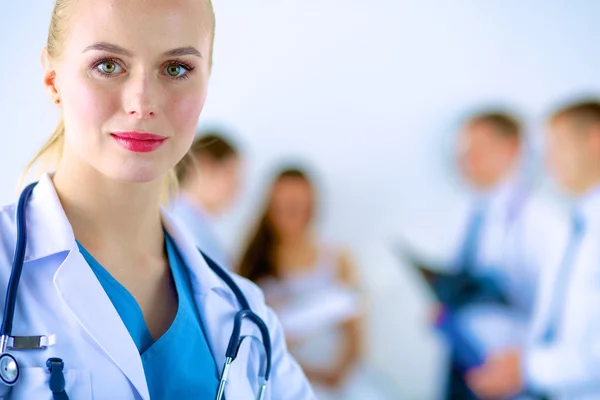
[588, 206]
[504, 198]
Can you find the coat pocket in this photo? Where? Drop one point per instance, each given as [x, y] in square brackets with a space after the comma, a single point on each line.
[34, 384]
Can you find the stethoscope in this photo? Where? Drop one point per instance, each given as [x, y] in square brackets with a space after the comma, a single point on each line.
[9, 367]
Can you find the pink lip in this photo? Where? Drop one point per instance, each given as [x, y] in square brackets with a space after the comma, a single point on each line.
[138, 142]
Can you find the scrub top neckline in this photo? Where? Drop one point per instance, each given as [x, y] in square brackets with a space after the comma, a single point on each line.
[148, 341]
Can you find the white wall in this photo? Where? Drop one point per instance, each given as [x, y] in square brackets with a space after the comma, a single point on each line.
[365, 90]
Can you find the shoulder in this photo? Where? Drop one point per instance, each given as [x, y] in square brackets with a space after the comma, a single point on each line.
[545, 214]
[8, 230]
[344, 264]
[252, 292]
[8, 215]
[542, 231]
[337, 258]
[8, 239]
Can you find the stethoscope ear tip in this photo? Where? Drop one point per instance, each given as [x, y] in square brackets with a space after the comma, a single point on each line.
[9, 369]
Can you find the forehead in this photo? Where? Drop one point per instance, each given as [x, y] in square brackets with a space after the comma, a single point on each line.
[140, 25]
[484, 132]
[291, 187]
[562, 125]
[475, 133]
[481, 128]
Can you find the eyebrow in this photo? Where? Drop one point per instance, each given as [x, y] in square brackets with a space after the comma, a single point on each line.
[110, 48]
[113, 48]
[183, 51]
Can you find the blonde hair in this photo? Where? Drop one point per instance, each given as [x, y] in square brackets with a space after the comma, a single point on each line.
[51, 152]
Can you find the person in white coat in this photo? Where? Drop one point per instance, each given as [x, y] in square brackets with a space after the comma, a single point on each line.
[209, 180]
[129, 307]
[507, 220]
[562, 357]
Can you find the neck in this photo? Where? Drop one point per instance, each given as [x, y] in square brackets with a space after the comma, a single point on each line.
[201, 196]
[586, 183]
[497, 182]
[293, 241]
[105, 213]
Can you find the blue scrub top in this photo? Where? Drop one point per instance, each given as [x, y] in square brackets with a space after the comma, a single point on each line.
[179, 365]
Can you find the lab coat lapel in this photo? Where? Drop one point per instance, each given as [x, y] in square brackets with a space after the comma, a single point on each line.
[51, 233]
[82, 293]
[217, 307]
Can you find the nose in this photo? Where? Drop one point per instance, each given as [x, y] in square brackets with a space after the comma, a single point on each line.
[140, 97]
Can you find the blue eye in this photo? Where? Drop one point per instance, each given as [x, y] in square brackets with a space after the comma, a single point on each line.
[175, 70]
[109, 67]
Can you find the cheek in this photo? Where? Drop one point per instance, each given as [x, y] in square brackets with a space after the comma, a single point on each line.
[281, 220]
[183, 111]
[471, 161]
[88, 106]
[562, 160]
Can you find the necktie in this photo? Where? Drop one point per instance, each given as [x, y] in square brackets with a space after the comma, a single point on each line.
[562, 277]
[468, 255]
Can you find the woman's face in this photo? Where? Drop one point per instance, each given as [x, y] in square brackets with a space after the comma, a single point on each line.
[291, 207]
[132, 79]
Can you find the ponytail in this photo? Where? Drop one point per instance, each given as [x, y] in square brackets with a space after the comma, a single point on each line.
[50, 154]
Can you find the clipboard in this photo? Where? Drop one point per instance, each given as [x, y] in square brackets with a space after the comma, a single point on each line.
[453, 289]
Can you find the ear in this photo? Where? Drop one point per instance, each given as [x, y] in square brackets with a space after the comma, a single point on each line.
[50, 77]
[594, 141]
[513, 145]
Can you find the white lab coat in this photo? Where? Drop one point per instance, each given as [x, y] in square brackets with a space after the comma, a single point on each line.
[59, 294]
[569, 366]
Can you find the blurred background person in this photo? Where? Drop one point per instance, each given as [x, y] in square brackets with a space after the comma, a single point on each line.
[312, 286]
[209, 178]
[563, 358]
[506, 223]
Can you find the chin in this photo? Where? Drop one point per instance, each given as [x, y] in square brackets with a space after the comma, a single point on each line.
[565, 186]
[139, 173]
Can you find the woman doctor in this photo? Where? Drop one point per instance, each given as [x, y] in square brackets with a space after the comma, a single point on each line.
[133, 309]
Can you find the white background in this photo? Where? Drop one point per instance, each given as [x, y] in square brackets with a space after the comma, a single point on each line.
[368, 93]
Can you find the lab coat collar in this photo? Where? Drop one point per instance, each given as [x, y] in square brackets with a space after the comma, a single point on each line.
[46, 216]
[83, 294]
[506, 198]
[588, 206]
[203, 278]
[50, 233]
[217, 306]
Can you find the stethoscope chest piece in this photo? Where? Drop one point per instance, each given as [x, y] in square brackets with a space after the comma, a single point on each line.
[9, 369]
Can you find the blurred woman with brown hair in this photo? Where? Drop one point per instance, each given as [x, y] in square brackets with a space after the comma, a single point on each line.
[311, 286]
